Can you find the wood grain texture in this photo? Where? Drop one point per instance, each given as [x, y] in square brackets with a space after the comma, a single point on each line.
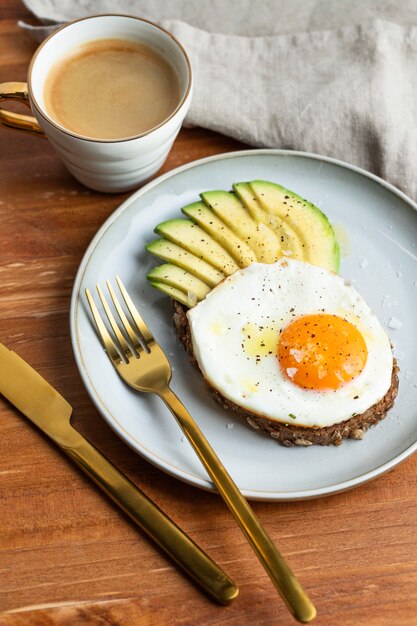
[67, 555]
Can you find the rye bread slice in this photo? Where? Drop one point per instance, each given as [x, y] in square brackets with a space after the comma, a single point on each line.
[290, 435]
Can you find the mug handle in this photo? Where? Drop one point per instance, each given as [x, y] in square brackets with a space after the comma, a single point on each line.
[18, 91]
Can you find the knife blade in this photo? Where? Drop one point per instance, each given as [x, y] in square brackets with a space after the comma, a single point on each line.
[32, 394]
[29, 392]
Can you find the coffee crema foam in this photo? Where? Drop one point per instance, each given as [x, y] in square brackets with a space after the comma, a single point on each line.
[111, 89]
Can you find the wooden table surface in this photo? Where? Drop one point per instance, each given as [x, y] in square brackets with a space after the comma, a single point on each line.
[67, 555]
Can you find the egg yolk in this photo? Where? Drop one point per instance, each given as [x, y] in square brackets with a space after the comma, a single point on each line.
[321, 351]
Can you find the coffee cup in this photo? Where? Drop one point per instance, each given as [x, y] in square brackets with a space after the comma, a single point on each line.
[106, 164]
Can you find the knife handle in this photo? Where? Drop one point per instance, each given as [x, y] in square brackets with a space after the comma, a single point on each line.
[151, 519]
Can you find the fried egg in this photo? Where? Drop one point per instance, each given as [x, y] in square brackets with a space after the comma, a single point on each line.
[292, 342]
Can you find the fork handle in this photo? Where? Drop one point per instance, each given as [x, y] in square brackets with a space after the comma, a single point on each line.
[284, 580]
[151, 519]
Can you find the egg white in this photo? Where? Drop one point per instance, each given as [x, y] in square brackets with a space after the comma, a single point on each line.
[235, 332]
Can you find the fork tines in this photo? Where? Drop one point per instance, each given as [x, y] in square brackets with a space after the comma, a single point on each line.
[128, 341]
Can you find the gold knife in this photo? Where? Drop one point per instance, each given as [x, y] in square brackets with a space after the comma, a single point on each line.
[49, 411]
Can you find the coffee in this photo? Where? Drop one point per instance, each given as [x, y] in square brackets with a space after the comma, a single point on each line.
[111, 89]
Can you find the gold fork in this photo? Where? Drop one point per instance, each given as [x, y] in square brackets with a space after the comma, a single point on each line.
[143, 365]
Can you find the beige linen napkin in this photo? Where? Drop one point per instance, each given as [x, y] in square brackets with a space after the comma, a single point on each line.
[328, 76]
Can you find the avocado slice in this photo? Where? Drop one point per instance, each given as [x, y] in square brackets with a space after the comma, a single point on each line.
[213, 226]
[304, 219]
[174, 293]
[169, 251]
[170, 274]
[292, 243]
[263, 241]
[194, 239]
[250, 201]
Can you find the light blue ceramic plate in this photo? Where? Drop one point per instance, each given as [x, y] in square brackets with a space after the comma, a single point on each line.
[377, 228]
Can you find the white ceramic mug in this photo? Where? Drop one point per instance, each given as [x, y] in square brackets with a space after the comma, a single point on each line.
[102, 164]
